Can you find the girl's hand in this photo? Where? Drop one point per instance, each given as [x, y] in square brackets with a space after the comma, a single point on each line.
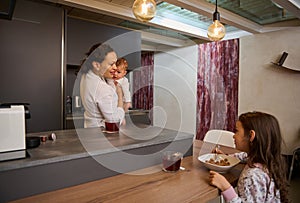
[218, 180]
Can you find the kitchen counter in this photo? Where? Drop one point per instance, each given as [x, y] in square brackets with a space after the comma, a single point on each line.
[82, 155]
[151, 185]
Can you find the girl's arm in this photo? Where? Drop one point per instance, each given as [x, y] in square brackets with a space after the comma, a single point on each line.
[242, 156]
[252, 187]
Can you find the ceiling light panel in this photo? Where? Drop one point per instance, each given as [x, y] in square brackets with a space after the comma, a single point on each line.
[259, 11]
[176, 13]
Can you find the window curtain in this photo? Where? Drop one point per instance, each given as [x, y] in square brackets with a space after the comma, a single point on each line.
[217, 86]
[143, 83]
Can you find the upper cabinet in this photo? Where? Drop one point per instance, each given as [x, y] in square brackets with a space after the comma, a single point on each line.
[81, 35]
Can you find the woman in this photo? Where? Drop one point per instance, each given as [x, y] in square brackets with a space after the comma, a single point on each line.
[101, 101]
[264, 176]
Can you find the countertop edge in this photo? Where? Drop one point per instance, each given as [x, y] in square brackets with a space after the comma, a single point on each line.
[31, 163]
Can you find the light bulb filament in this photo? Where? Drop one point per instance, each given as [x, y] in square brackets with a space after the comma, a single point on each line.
[144, 8]
[216, 31]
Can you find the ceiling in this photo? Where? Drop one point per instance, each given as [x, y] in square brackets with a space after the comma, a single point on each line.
[179, 22]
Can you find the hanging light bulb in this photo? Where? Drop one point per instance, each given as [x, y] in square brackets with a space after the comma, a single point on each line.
[144, 10]
[216, 31]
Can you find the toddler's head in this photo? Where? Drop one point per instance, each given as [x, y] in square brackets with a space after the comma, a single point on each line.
[122, 66]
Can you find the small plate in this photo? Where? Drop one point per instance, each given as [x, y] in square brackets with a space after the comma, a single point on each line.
[221, 169]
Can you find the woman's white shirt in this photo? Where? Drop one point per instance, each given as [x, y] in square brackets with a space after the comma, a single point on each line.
[100, 101]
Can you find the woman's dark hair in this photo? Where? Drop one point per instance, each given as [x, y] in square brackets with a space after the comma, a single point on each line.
[266, 147]
[96, 53]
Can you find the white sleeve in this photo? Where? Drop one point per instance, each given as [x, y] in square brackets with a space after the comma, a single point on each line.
[107, 103]
[125, 87]
[242, 156]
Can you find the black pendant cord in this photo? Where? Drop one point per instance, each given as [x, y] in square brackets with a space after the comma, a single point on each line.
[216, 15]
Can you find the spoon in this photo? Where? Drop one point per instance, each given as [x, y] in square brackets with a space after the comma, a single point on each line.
[216, 152]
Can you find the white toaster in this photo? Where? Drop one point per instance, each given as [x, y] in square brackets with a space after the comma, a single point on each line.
[12, 133]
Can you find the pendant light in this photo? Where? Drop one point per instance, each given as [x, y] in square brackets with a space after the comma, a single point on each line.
[216, 31]
[144, 10]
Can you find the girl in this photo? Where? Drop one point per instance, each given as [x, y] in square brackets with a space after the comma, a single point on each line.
[264, 177]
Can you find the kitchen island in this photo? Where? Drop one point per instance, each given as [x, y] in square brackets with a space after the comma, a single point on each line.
[83, 155]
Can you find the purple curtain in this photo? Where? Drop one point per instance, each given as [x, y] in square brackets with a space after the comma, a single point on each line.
[217, 86]
[143, 83]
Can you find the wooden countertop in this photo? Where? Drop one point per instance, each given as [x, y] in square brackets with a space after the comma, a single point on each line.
[152, 185]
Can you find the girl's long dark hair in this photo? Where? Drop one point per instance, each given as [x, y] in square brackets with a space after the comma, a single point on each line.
[266, 147]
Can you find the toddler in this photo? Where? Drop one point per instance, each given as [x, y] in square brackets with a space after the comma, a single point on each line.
[119, 77]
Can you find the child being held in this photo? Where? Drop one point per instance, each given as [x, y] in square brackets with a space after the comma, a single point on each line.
[119, 77]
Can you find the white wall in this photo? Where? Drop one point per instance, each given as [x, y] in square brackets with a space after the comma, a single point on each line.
[265, 87]
[175, 81]
[262, 86]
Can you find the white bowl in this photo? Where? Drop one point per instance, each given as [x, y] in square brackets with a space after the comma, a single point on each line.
[221, 169]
